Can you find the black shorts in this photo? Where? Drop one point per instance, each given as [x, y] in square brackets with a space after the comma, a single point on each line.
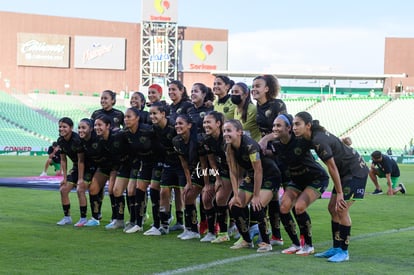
[72, 176]
[353, 189]
[157, 172]
[145, 172]
[173, 176]
[318, 185]
[269, 183]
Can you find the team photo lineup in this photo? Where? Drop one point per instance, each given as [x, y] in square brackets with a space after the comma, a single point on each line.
[230, 160]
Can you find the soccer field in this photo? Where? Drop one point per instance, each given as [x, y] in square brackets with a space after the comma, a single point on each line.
[31, 243]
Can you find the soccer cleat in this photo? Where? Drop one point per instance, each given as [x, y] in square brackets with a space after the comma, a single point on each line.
[115, 224]
[221, 238]
[81, 222]
[133, 229]
[190, 235]
[276, 241]
[65, 221]
[328, 253]
[182, 233]
[177, 227]
[209, 237]
[92, 222]
[128, 226]
[305, 250]
[291, 250]
[264, 247]
[153, 231]
[377, 192]
[164, 230]
[341, 256]
[203, 227]
[43, 174]
[403, 189]
[242, 244]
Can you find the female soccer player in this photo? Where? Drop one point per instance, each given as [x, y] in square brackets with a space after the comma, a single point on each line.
[88, 139]
[257, 176]
[172, 173]
[264, 90]
[106, 164]
[213, 143]
[308, 180]
[245, 111]
[221, 88]
[70, 145]
[108, 101]
[349, 174]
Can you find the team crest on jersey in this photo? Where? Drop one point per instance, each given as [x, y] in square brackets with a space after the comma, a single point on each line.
[226, 109]
[95, 145]
[268, 113]
[142, 139]
[179, 110]
[116, 120]
[202, 114]
[298, 151]
[247, 179]
[117, 144]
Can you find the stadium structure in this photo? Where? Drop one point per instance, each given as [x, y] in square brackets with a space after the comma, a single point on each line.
[57, 66]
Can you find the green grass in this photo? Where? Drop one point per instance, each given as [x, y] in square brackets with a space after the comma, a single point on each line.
[31, 243]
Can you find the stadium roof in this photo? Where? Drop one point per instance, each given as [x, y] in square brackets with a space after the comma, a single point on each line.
[332, 76]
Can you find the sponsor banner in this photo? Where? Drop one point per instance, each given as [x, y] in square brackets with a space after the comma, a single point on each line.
[160, 10]
[93, 52]
[43, 50]
[204, 55]
[22, 148]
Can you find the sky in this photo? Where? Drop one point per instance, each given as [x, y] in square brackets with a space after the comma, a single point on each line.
[270, 36]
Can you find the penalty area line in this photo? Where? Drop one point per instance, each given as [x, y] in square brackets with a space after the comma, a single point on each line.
[252, 256]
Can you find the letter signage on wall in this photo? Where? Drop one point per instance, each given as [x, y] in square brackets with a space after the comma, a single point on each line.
[99, 52]
[160, 10]
[44, 50]
[204, 55]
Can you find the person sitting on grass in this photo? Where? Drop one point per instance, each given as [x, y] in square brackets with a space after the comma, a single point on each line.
[53, 160]
[384, 166]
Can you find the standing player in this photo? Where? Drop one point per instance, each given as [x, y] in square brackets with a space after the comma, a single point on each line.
[71, 148]
[349, 174]
[265, 90]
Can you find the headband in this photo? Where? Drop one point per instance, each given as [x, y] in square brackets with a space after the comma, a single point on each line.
[285, 119]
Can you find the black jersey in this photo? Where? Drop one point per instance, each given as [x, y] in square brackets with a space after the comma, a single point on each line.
[179, 108]
[197, 116]
[143, 144]
[71, 148]
[165, 135]
[348, 161]
[144, 117]
[100, 152]
[388, 166]
[266, 114]
[117, 117]
[250, 151]
[190, 151]
[89, 147]
[216, 148]
[301, 166]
